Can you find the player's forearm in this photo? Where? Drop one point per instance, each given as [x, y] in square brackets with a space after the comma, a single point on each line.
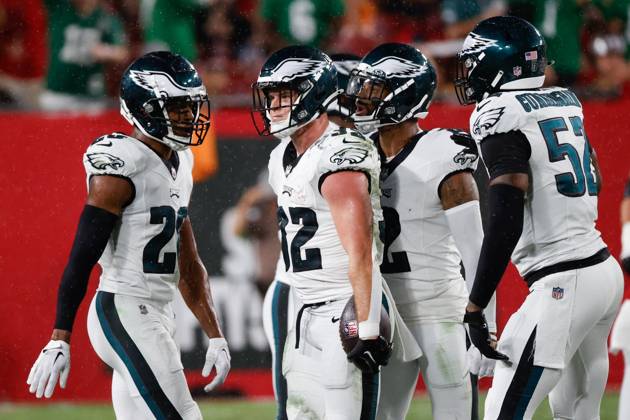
[195, 290]
[93, 232]
[360, 274]
[504, 230]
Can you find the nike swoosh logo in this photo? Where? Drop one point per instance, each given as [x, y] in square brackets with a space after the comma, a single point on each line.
[334, 319]
[104, 144]
[57, 357]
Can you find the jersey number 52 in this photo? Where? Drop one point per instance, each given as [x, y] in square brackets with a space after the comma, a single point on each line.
[574, 184]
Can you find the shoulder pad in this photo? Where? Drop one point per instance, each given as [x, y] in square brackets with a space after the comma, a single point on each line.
[454, 149]
[113, 154]
[496, 114]
[346, 149]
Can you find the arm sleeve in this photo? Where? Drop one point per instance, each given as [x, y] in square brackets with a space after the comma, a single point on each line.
[464, 222]
[506, 153]
[505, 225]
[93, 232]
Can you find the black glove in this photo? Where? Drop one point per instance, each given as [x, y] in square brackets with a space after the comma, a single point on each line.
[369, 355]
[625, 263]
[480, 336]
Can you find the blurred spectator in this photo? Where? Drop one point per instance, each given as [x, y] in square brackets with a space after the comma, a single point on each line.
[606, 46]
[309, 22]
[22, 52]
[170, 25]
[255, 219]
[410, 21]
[560, 22]
[224, 48]
[82, 37]
[461, 16]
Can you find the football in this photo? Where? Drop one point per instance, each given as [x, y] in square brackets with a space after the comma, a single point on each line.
[349, 326]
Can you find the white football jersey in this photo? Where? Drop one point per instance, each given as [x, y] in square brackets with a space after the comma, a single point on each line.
[561, 205]
[420, 259]
[314, 259]
[141, 256]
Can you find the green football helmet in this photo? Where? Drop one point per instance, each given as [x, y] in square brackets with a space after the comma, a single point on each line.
[501, 53]
[304, 75]
[393, 83]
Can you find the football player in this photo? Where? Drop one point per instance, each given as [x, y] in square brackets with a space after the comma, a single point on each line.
[620, 335]
[135, 225]
[432, 222]
[280, 303]
[542, 200]
[326, 180]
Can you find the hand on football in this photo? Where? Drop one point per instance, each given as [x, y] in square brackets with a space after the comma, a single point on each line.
[480, 336]
[217, 356]
[52, 364]
[479, 364]
[370, 355]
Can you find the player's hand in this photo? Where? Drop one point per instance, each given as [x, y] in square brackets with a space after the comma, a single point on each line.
[479, 364]
[52, 364]
[370, 355]
[480, 336]
[217, 356]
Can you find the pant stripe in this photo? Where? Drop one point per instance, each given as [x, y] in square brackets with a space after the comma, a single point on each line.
[369, 403]
[523, 384]
[279, 317]
[140, 371]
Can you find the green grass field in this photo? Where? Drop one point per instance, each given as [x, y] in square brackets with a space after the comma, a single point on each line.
[230, 410]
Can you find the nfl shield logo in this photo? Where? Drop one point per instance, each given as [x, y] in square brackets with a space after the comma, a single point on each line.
[517, 71]
[557, 293]
[351, 328]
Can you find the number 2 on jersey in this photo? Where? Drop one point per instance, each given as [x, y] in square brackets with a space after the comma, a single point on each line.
[581, 180]
[151, 254]
[399, 262]
[293, 256]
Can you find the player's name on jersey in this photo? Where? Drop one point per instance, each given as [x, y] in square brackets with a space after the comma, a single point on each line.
[533, 101]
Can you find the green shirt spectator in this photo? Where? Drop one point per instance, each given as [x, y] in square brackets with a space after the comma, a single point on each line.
[81, 37]
[560, 22]
[170, 25]
[308, 22]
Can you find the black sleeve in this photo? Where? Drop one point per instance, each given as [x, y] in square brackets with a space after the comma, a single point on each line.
[93, 232]
[626, 191]
[505, 225]
[506, 153]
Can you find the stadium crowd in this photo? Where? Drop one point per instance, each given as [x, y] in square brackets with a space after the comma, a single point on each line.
[69, 54]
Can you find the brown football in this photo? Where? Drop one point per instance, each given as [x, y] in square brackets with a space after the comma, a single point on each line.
[349, 326]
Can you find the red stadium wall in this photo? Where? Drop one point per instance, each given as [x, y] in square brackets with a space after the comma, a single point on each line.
[42, 190]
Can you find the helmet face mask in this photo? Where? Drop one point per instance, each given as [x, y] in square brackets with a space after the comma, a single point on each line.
[163, 97]
[299, 82]
[392, 84]
[343, 105]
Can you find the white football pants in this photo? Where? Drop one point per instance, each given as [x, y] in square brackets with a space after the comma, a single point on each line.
[321, 382]
[557, 342]
[134, 336]
[444, 369]
[278, 319]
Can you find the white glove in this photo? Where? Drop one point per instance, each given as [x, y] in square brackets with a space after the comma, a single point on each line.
[478, 364]
[53, 362]
[218, 355]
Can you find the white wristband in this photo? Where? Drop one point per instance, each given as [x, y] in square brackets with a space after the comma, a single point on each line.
[368, 329]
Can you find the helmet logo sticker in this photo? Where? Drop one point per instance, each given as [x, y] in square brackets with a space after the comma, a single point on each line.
[476, 43]
[352, 155]
[101, 161]
[395, 67]
[486, 120]
[292, 68]
[162, 83]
